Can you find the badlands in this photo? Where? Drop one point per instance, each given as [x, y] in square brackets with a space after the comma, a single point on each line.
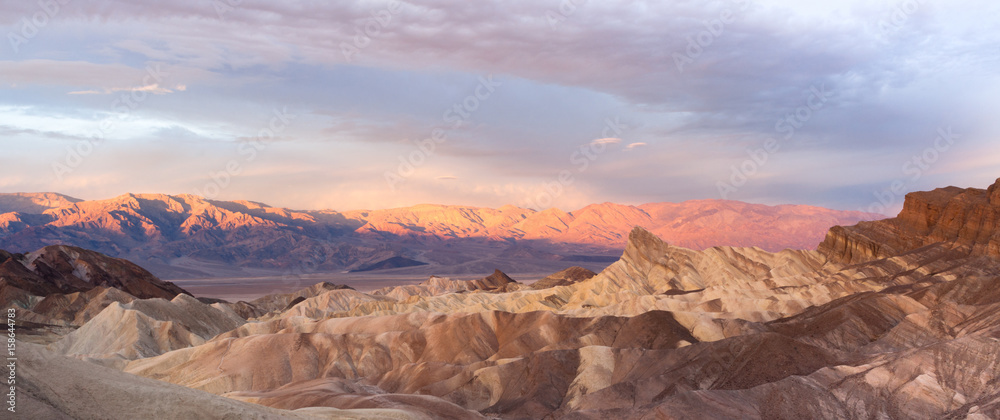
[889, 319]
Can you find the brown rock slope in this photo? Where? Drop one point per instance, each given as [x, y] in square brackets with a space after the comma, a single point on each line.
[79, 307]
[967, 220]
[564, 278]
[66, 269]
[58, 288]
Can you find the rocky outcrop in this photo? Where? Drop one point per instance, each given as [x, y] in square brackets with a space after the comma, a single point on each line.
[966, 220]
[79, 307]
[76, 269]
[58, 288]
[498, 282]
[66, 269]
[15, 273]
[565, 277]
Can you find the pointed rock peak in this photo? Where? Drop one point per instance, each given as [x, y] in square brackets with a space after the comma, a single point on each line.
[643, 245]
[34, 203]
[642, 238]
[554, 211]
[321, 287]
[509, 208]
[294, 302]
[499, 278]
[182, 298]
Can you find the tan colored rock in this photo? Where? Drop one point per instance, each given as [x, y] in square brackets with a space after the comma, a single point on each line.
[50, 386]
[145, 328]
[564, 278]
[436, 286]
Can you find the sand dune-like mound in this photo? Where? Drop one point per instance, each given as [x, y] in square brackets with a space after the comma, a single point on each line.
[282, 301]
[329, 303]
[149, 327]
[51, 386]
[80, 307]
[385, 350]
[345, 394]
[436, 286]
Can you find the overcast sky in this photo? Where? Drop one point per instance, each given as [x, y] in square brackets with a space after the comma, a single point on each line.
[536, 103]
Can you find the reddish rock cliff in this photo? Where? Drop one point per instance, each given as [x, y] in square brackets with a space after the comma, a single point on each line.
[967, 220]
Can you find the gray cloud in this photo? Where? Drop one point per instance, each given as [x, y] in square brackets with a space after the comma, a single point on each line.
[893, 88]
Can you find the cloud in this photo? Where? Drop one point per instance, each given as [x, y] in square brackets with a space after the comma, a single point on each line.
[608, 140]
[560, 86]
[153, 88]
[447, 177]
[7, 131]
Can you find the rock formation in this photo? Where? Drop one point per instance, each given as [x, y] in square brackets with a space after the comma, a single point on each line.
[282, 301]
[564, 278]
[437, 286]
[148, 327]
[967, 220]
[66, 269]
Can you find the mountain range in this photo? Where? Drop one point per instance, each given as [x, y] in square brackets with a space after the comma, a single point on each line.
[186, 236]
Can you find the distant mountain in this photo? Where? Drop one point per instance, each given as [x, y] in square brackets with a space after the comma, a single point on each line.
[189, 236]
[34, 203]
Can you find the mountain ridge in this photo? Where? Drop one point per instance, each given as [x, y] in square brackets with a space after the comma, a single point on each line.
[155, 230]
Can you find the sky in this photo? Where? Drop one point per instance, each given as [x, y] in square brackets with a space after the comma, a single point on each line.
[537, 103]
